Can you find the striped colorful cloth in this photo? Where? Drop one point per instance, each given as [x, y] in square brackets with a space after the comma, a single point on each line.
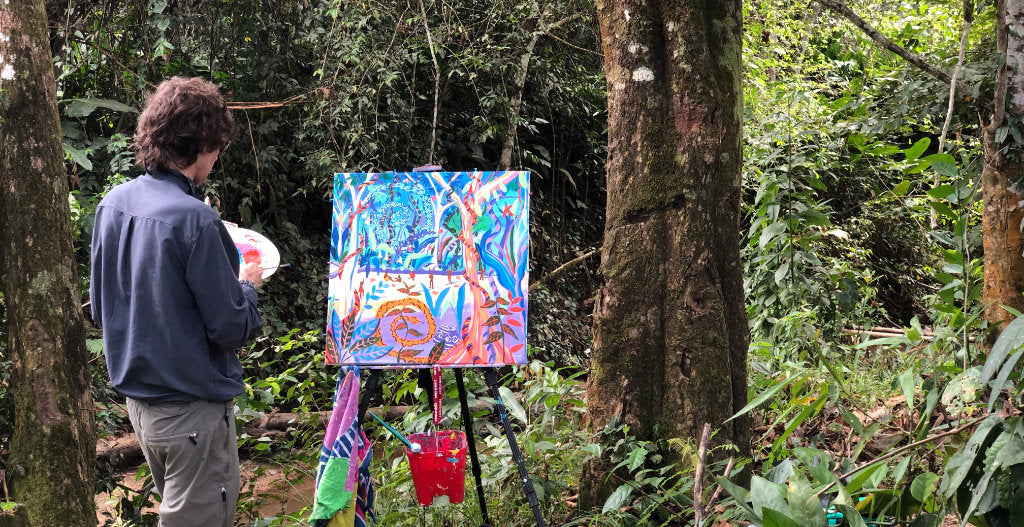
[344, 489]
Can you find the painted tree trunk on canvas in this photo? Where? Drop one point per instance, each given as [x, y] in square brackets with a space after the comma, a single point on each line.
[670, 328]
[1003, 215]
[52, 453]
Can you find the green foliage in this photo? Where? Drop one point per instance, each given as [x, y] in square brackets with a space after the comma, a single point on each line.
[650, 490]
[356, 85]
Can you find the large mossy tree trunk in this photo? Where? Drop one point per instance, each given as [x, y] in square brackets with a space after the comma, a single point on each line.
[670, 328]
[52, 452]
[1003, 214]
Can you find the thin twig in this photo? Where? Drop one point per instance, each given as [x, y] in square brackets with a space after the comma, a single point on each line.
[718, 488]
[110, 55]
[698, 477]
[562, 268]
[901, 450]
[547, 32]
[256, 155]
[437, 84]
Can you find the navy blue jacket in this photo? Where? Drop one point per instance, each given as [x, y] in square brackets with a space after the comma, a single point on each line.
[165, 291]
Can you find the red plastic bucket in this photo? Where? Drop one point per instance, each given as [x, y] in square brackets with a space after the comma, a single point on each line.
[439, 469]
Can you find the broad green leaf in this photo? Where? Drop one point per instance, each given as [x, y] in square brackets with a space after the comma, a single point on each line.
[942, 208]
[814, 216]
[953, 257]
[765, 494]
[851, 515]
[943, 238]
[767, 394]
[964, 388]
[636, 458]
[979, 492]
[773, 518]
[941, 191]
[782, 472]
[1000, 380]
[512, 403]
[854, 422]
[771, 232]
[900, 471]
[81, 157]
[940, 158]
[804, 506]
[901, 188]
[1012, 452]
[923, 486]
[908, 383]
[1010, 340]
[948, 170]
[817, 462]
[919, 148]
[85, 106]
[781, 272]
[1001, 134]
[866, 476]
[740, 494]
[960, 464]
[618, 499]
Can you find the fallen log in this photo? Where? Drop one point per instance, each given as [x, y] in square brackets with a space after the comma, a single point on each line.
[125, 451]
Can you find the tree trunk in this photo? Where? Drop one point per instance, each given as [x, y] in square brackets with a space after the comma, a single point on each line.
[670, 328]
[1003, 214]
[52, 449]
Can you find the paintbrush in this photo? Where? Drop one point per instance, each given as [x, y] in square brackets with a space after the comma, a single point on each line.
[414, 447]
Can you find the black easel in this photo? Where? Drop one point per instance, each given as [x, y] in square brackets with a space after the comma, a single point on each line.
[373, 382]
[531, 495]
[467, 423]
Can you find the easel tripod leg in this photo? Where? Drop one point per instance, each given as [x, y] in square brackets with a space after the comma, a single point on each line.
[531, 494]
[467, 421]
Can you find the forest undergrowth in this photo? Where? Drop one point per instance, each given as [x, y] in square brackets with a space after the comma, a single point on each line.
[860, 211]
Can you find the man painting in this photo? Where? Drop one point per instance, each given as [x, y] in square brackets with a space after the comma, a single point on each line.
[174, 305]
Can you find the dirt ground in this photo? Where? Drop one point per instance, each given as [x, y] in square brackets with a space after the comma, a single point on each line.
[273, 491]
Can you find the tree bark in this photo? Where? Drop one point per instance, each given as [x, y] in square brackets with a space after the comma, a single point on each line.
[670, 328]
[54, 439]
[1003, 214]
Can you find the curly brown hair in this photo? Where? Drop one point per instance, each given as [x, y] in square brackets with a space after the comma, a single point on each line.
[183, 118]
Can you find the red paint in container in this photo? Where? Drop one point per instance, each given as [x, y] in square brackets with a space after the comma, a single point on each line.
[439, 469]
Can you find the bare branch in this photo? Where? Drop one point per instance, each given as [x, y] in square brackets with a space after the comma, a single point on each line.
[882, 40]
[563, 268]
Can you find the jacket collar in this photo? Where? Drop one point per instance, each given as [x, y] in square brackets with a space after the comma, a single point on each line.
[176, 176]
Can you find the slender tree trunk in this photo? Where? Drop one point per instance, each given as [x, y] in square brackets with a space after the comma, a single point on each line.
[670, 328]
[53, 446]
[1003, 214]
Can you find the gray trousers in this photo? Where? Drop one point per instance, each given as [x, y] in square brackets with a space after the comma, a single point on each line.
[193, 454]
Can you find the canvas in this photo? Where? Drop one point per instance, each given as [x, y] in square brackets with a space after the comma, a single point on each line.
[429, 268]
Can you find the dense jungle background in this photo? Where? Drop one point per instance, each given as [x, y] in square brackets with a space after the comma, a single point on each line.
[878, 393]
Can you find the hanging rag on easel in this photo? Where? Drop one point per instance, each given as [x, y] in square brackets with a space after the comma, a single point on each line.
[344, 490]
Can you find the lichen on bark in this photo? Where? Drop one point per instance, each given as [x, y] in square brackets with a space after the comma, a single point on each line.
[51, 461]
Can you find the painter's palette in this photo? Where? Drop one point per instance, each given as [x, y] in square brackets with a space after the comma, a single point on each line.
[254, 247]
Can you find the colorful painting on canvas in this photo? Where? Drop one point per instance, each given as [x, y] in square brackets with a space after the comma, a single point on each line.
[429, 268]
